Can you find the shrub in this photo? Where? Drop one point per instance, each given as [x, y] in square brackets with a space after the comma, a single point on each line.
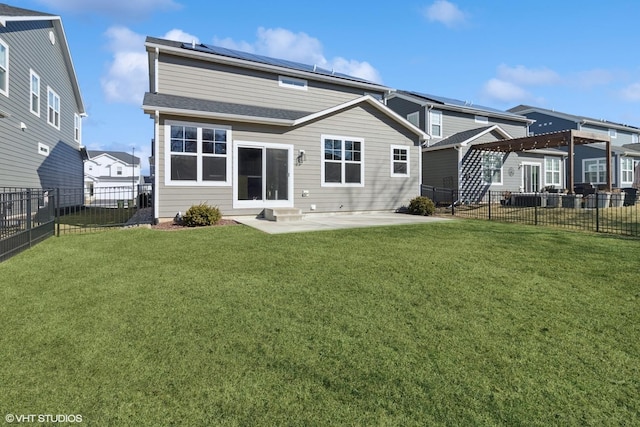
[201, 215]
[421, 206]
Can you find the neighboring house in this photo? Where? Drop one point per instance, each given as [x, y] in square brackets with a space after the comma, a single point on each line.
[591, 163]
[41, 108]
[249, 133]
[111, 175]
[455, 126]
[590, 160]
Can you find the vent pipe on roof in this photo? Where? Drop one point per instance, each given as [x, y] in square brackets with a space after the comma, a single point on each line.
[193, 44]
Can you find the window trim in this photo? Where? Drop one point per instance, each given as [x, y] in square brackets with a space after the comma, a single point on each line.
[553, 171]
[292, 83]
[613, 133]
[407, 161]
[432, 114]
[598, 160]
[33, 74]
[414, 118]
[481, 119]
[56, 96]
[624, 159]
[5, 91]
[343, 162]
[199, 182]
[43, 149]
[77, 128]
[487, 154]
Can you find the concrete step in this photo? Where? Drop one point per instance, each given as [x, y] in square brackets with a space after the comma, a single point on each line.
[283, 214]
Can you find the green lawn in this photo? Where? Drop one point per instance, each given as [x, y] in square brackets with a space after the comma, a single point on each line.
[457, 323]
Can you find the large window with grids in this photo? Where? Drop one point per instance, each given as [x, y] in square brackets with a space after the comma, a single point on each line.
[492, 168]
[626, 170]
[198, 154]
[342, 161]
[552, 174]
[4, 68]
[595, 171]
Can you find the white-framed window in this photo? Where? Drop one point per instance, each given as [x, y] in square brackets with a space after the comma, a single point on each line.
[634, 138]
[594, 171]
[291, 82]
[399, 161]
[552, 171]
[414, 118]
[43, 149]
[77, 128]
[626, 170]
[481, 119]
[34, 83]
[342, 162]
[197, 154]
[119, 170]
[435, 123]
[613, 133]
[53, 108]
[4, 68]
[491, 167]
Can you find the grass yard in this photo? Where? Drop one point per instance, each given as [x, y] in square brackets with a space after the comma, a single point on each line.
[456, 323]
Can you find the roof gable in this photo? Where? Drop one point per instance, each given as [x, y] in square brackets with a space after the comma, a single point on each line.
[119, 156]
[192, 107]
[11, 13]
[467, 137]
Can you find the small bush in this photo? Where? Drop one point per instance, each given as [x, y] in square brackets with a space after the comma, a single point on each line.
[201, 215]
[421, 206]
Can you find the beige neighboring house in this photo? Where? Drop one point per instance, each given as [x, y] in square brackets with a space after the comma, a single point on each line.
[110, 176]
[253, 134]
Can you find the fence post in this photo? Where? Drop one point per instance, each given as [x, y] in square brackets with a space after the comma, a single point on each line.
[28, 219]
[535, 207]
[453, 202]
[489, 205]
[56, 207]
[597, 212]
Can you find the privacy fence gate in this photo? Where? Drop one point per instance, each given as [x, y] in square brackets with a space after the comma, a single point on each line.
[28, 216]
[604, 212]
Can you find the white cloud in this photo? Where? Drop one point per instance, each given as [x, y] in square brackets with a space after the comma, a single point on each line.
[300, 47]
[446, 13]
[528, 76]
[127, 78]
[631, 92]
[505, 91]
[135, 9]
[591, 78]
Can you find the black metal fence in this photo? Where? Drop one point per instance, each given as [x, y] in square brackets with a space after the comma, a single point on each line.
[27, 216]
[102, 208]
[615, 213]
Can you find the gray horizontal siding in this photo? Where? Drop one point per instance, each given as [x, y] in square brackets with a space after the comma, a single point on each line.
[191, 78]
[21, 165]
[440, 168]
[381, 192]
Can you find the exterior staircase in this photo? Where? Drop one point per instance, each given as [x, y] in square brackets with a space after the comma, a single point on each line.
[283, 214]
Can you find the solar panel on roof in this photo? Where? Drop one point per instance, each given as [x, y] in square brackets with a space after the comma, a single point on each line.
[458, 103]
[217, 50]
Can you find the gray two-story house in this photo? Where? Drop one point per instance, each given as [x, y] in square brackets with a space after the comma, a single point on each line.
[590, 160]
[455, 126]
[250, 133]
[41, 107]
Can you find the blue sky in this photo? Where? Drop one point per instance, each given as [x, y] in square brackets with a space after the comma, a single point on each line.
[575, 57]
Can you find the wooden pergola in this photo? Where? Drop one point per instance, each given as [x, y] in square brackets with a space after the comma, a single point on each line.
[567, 138]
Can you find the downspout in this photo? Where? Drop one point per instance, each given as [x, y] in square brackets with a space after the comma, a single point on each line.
[155, 71]
[156, 168]
[427, 121]
[459, 150]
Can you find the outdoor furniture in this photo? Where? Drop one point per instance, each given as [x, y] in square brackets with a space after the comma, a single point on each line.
[630, 195]
[584, 188]
[529, 199]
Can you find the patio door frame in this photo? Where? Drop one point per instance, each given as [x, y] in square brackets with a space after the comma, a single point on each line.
[262, 203]
[524, 172]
